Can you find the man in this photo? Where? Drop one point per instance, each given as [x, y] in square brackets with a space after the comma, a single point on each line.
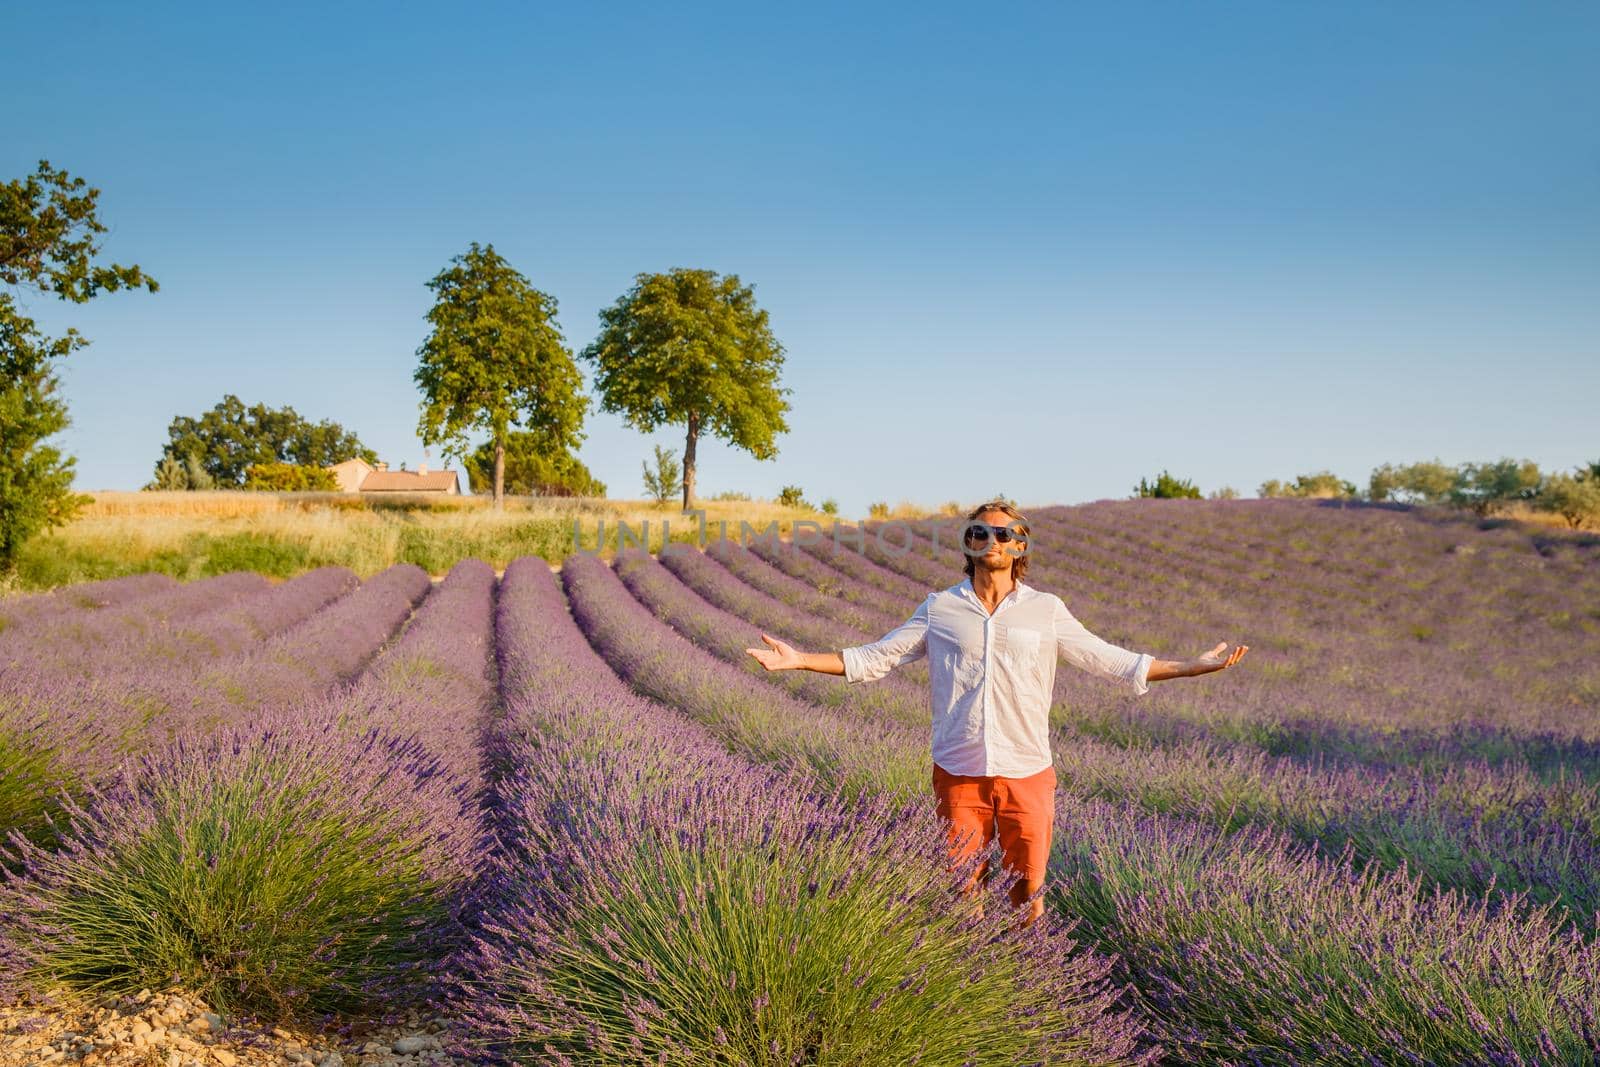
[991, 643]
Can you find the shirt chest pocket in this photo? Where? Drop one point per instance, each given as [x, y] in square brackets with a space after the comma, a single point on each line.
[1019, 646]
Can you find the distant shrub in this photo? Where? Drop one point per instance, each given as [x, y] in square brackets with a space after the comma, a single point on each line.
[1167, 487]
[173, 475]
[879, 510]
[792, 496]
[289, 478]
[1575, 497]
[830, 506]
[1428, 482]
[1484, 487]
[662, 483]
[535, 465]
[732, 495]
[1227, 492]
[1324, 485]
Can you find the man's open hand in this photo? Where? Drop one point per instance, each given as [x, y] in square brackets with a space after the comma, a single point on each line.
[780, 656]
[1220, 657]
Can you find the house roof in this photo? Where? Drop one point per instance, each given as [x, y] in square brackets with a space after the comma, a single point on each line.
[408, 482]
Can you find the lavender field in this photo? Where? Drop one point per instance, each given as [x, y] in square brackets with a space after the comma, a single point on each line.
[565, 809]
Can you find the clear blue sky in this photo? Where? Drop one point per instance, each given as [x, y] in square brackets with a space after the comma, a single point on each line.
[1044, 250]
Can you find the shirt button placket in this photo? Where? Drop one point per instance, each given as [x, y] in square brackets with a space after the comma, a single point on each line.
[988, 664]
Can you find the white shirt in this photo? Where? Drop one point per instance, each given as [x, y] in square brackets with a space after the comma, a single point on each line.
[992, 676]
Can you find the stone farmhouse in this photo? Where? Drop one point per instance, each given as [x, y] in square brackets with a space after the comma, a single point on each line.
[359, 476]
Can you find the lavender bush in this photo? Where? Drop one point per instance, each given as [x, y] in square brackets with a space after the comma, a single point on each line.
[284, 867]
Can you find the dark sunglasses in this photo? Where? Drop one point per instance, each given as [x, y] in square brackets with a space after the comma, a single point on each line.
[982, 531]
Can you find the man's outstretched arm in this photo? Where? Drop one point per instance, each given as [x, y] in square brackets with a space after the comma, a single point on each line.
[782, 656]
[859, 663]
[1215, 660]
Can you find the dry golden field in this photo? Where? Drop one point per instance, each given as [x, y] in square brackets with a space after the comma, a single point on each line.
[195, 534]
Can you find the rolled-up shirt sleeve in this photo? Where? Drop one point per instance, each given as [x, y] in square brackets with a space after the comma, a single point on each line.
[903, 644]
[1083, 649]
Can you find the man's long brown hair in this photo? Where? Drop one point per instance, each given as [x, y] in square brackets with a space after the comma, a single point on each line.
[1018, 524]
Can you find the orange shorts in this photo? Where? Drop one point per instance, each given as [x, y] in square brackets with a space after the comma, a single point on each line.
[1019, 810]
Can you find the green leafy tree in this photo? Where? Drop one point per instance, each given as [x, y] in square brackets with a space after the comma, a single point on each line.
[1484, 487]
[533, 467]
[495, 359]
[49, 238]
[1429, 482]
[290, 478]
[1166, 487]
[231, 438]
[792, 496]
[691, 348]
[1575, 497]
[663, 481]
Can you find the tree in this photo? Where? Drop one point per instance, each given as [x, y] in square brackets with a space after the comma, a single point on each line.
[690, 347]
[533, 467]
[1483, 487]
[290, 478]
[172, 475]
[1575, 497]
[1321, 484]
[49, 238]
[792, 496]
[495, 359]
[1415, 483]
[661, 483]
[1167, 487]
[231, 438]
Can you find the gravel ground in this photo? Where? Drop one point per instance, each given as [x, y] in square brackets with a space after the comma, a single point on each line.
[175, 1029]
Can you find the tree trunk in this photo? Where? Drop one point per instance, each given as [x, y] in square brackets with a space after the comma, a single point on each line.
[688, 461]
[499, 473]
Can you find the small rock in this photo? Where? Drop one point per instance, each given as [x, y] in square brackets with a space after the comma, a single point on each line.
[224, 1057]
[214, 1019]
[280, 1033]
[140, 1026]
[332, 1059]
[410, 1043]
[200, 1024]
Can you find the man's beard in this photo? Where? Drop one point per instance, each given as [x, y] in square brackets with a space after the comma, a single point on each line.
[995, 563]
